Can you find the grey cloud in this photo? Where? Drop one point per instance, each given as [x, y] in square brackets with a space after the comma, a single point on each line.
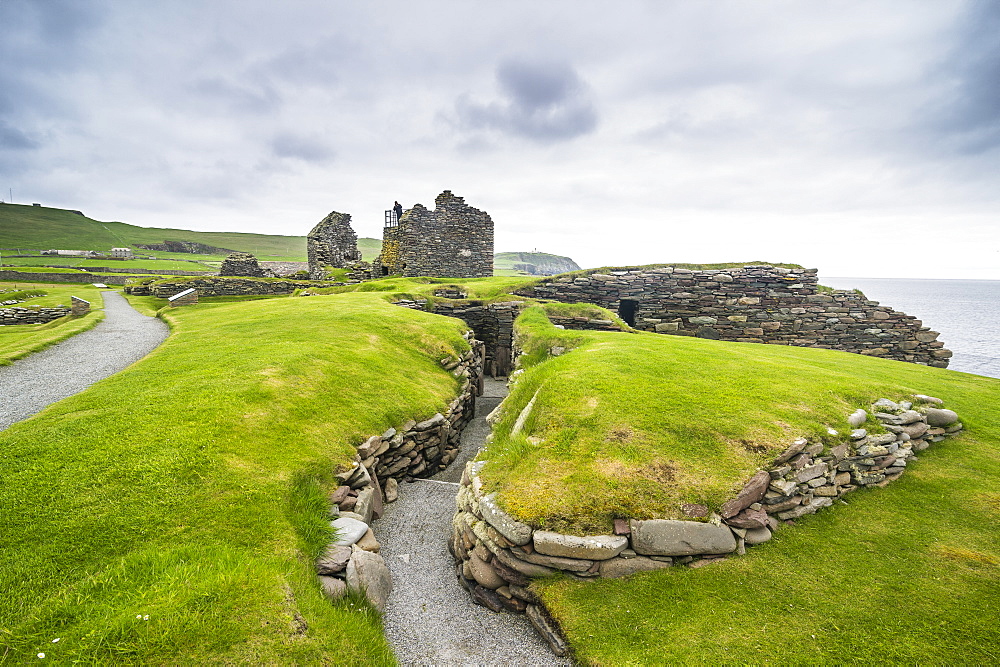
[307, 149]
[544, 102]
[968, 119]
[13, 138]
[241, 96]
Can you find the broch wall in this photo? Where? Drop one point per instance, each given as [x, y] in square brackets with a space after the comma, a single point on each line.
[754, 304]
[332, 242]
[454, 240]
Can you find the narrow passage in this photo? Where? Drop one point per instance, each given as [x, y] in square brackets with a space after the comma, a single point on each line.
[430, 619]
[31, 384]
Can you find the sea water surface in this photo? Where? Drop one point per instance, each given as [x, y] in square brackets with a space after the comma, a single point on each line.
[965, 312]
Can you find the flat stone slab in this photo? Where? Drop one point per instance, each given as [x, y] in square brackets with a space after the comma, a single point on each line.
[350, 530]
[626, 567]
[592, 547]
[515, 531]
[668, 537]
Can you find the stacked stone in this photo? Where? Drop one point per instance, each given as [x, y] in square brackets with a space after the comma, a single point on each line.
[331, 243]
[493, 324]
[222, 286]
[243, 264]
[753, 304]
[454, 240]
[352, 562]
[29, 315]
[585, 323]
[81, 277]
[498, 555]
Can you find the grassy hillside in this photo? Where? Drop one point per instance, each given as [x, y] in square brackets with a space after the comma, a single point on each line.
[635, 424]
[43, 228]
[531, 263]
[171, 513]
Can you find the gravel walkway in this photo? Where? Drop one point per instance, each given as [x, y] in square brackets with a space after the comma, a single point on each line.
[122, 338]
[430, 619]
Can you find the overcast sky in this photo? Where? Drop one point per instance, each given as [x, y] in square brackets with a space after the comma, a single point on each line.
[861, 138]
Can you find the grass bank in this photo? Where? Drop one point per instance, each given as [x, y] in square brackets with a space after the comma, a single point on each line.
[18, 341]
[170, 513]
[636, 424]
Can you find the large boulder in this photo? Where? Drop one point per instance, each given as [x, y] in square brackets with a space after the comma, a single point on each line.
[667, 537]
[941, 417]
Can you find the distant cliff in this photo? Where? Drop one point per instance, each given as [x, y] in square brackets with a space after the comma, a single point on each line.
[533, 263]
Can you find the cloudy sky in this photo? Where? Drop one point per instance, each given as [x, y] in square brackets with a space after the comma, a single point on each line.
[862, 137]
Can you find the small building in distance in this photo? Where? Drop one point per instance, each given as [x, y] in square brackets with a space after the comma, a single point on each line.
[122, 253]
[454, 240]
[331, 243]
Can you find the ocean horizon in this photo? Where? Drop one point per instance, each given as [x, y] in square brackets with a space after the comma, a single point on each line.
[965, 312]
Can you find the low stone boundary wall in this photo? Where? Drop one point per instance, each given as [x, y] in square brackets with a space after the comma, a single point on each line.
[751, 304]
[584, 323]
[82, 277]
[352, 562]
[26, 315]
[223, 286]
[152, 272]
[498, 555]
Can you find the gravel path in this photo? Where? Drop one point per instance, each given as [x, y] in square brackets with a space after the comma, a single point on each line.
[122, 338]
[430, 619]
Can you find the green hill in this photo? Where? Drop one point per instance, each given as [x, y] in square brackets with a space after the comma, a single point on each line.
[43, 228]
[531, 263]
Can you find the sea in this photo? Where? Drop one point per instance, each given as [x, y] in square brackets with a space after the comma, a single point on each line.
[965, 312]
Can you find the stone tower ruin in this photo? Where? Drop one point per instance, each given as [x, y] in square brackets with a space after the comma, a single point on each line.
[452, 241]
[331, 243]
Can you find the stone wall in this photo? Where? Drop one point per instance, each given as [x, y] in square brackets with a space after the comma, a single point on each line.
[454, 240]
[754, 304]
[152, 272]
[222, 286]
[82, 277]
[243, 264]
[498, 555]
[332, 242]
[414, 449]
[26, 315]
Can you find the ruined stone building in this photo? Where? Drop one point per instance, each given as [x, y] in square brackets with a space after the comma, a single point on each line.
[331, 243]
[454, 240]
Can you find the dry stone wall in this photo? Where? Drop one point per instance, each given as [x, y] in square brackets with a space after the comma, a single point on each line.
[332, 242]
[498, 556]
[352, 562]
[243, 264]
[28, 315]
[81, 277]
[755, 304]
[222, 286]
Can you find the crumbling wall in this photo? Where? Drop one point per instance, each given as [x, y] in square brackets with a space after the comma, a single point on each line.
[245, 265]
[332, 242]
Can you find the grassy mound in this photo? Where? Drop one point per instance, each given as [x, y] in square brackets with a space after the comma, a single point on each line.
[190, 488]
[20, 340]
[636, 424]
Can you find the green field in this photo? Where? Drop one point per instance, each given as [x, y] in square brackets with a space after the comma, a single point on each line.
[190, 488]
[42, 228]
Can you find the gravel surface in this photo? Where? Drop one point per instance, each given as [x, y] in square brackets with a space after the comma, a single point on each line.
[123, 337]
[430, 619]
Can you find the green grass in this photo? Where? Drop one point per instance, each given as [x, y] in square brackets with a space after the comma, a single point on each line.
[43, 228]
[18, 341]
[191, 486]
[164, 265]
[395, 287]
[636, 424]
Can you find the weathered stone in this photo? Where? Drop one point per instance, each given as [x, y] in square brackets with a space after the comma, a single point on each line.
[621, 527]
[483, 573]
[749, 518]
[757, 536]
[923, 398]
[784, 487]
[857, 418]
[391, 490]
[666, 537]
[333, 560]
[527, 569]
[625, 567]
[810, 472]
[515, 531]
[793, 450]
[784, 505]
[368, 542]
[339, 495]
[350, 530]
[555, 562]
[915, 430]
[333, 588]
[547, 629]
[509, 574]
[487, 598]
[368, 574]
[592, 547]
[365, 503]
[753, 492]
[940, 417]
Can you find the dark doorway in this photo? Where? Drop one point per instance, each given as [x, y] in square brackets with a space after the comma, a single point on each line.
[626, 311]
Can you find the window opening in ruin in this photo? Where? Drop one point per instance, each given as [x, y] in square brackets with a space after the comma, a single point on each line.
[626, 311]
